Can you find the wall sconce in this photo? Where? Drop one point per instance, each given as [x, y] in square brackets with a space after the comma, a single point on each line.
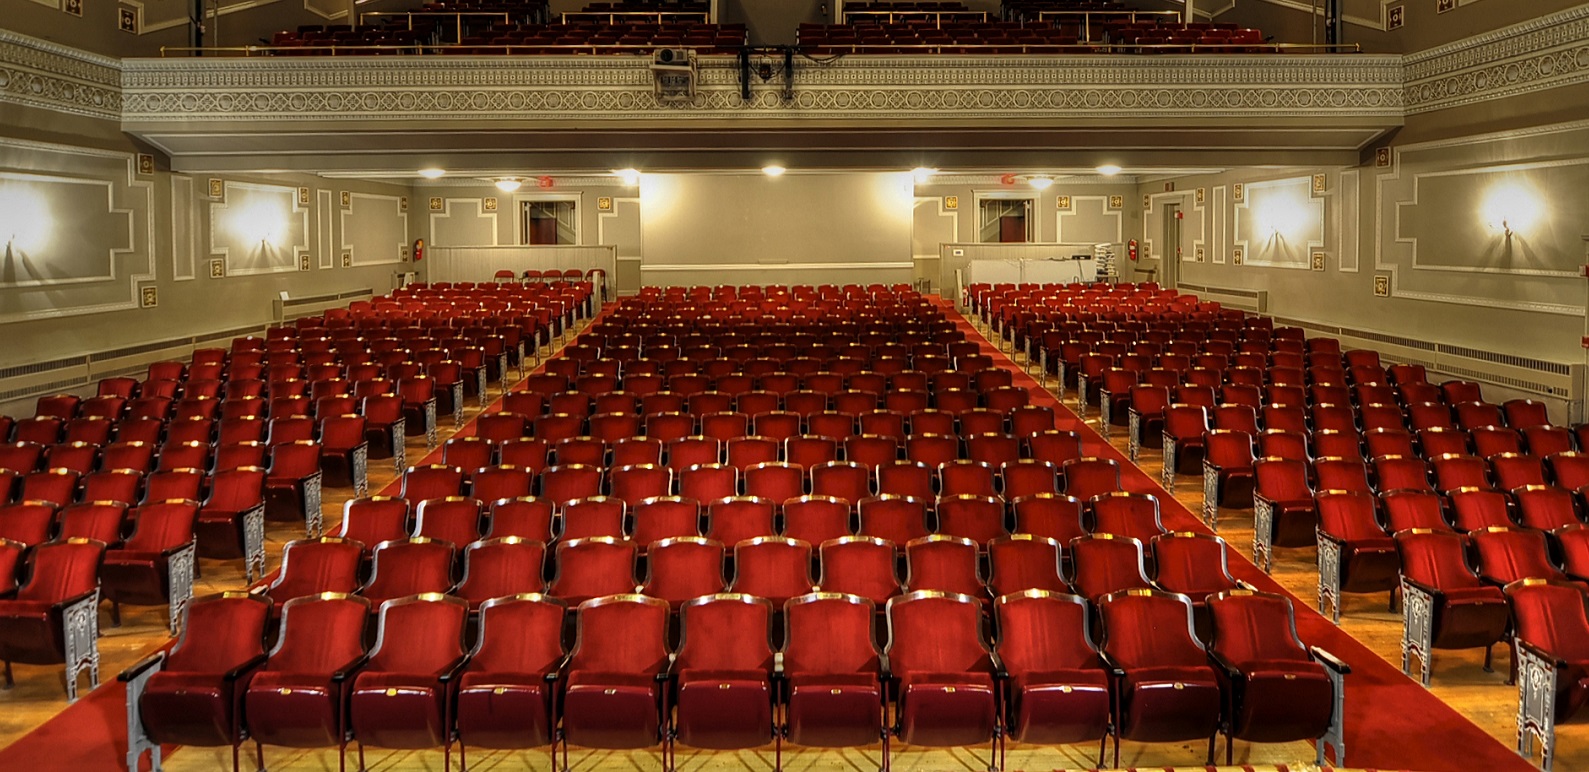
[1512, 208]
[508, 184]
[24, 220]
[1279, 218]
[630, 177]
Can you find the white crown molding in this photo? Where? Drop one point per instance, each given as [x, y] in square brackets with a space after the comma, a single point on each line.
[38, 73]
[1545, 53]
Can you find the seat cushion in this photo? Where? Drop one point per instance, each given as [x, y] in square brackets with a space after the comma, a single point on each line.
[1282, 701]
[834, 710]
[504, 710]
[1063, 706]
[397, 710]
[1169, 704]
[188, 709]
[946, 709]
[724, 709]
[297, 710]
[611, 710]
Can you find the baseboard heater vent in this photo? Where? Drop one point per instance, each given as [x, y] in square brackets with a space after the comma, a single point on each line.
[1256, 301]
[288, 309]
[35, 368]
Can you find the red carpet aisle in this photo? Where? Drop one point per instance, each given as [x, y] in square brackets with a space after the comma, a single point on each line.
[1391, 721]
[91, 735]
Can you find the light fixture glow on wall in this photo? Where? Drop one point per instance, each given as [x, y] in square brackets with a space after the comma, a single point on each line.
[1108, 170]
[262, 221]
[922, 174]
[509, 184]
[432, 173]
[1512, 208]
[630, 177]
[25, 221]
[773, 171]
[1040, 183]
[1279, 216]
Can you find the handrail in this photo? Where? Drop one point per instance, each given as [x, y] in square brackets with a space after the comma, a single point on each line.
[892, 16]
[612, 17]
[457, 17]
[1086, 17]
[904, 48]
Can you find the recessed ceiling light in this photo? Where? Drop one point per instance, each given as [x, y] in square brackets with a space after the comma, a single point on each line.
[509, 184]
[773, 171]
[630, 177]
[432, 173]
[922, 174]
[1041, 183]
[1108, 170]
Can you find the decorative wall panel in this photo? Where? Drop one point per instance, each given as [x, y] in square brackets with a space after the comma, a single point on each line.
[259, 229]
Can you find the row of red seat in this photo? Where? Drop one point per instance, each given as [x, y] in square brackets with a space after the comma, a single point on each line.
[1041, 681]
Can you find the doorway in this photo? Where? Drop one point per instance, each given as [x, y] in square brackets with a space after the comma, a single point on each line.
[1170, 255]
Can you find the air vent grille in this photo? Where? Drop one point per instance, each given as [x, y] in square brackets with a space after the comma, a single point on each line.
[1511, 360]
[40, 389]
[1506, 380]
[34, 368]
[132, 351]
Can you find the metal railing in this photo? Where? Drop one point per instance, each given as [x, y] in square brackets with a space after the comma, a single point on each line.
[1104, 17]
[456, 17]
[826, 48]
[846, 17]
[613, 17]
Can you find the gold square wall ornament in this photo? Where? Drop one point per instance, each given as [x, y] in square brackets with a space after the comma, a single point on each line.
[347, 259]
[1381, 286]
[1169, 187]
[1237, 255]
[217, 269]
[1147, 201]
[347, 199]
[1444, 6]
[1317, 261]
[127, 20]
[303, 197]
[402, 204]
[1117, 202]
[148, 297]
[145, 163]
[73, 7]
[436, 204]
[1202, 193]
[1396, 17]
[1320, 183]
[1238, 192]
[303, 262]
[1201, 255]
[1382, 158]
[217, 187]
[951, 202]
[1062, 202]
[489, 205]
[604, 204]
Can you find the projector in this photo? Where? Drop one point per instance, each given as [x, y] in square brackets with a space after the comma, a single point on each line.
[671, 59]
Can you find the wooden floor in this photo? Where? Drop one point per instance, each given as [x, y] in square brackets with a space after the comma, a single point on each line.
[1459, 679]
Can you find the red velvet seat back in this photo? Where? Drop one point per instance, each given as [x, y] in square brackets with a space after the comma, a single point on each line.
[1349, 516]
[1474, 509]
[1551, 616]
[1436, 559]
[621, 634]
[934, 632]
[236, 490]
[1254, 628]
[1025, 562]
[420, 634]
[1088, 477]
[222, 632]
[502, 566]
[1104, 563]
[519, 634]
[1193, 564]
[319, 634]
[593, 567]
[373, 520]
[774, 568]
[829, 633]
[727, 631]
[1043, 632]
[312, 566]
[1509, 554]
[409, 567]
[1150, 629]
[1133, 515]
[1413, 509]
[680, 569]
[943, 563]
[1282, 479]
